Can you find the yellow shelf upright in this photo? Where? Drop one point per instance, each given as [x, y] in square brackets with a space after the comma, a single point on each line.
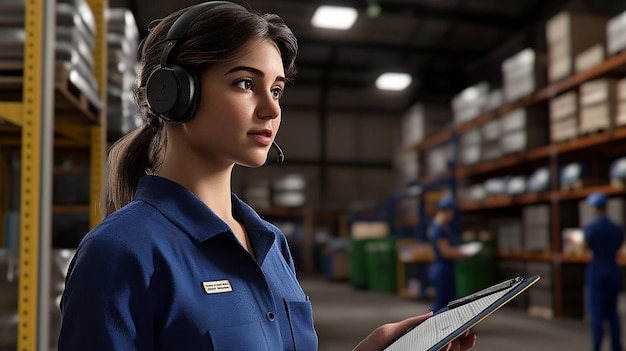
[36, 176]
[98, 132]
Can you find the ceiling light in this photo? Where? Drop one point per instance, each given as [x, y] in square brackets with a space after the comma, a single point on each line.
[393, 81]
[334, 17]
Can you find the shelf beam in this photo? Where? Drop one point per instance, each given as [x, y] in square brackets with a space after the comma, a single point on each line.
[12, 112]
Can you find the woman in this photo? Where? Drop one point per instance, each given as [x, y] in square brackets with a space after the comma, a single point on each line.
[182, 263]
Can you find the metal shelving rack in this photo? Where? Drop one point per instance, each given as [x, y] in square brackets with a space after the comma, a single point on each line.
[36, 121]
[550, 153]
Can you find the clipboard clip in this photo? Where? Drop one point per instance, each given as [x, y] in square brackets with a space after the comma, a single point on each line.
[482, 293]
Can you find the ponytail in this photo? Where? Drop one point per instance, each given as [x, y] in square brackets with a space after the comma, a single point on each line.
[136, 154]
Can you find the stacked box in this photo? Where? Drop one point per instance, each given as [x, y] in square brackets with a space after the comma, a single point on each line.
[541, 296]
[122, 70]
[73, 45]
[597, 101]
[469, 147]
[568, 34]
[589, 58]
[438, 160]
[620, 104]
[475, 192]
[564, 117]
[470, 103]
[537, 229]
[616, 34]
[522, 74]
[423, 120]
[407, 166]
[523, 129]
[496, 186]
[490, 145]
[495, 99]
[509, 234]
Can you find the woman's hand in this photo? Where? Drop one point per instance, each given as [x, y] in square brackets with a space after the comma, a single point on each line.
[384, 335]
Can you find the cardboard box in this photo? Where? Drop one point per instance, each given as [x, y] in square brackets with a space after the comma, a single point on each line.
[568, 34]
[564, 129]
[616, 34]
[589, 58]
[564, 106]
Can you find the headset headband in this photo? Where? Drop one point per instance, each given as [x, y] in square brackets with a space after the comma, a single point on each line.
[182, 24]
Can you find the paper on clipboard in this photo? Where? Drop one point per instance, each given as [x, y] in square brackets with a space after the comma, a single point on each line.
[449, 323]
[471, 248]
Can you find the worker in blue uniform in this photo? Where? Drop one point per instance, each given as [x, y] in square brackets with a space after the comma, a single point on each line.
[603, 279]
[181, 263]
[444, 242]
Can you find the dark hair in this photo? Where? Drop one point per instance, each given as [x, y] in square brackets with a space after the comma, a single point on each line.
[216, 36]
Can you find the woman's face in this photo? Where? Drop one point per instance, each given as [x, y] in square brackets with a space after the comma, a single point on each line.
[239, 112]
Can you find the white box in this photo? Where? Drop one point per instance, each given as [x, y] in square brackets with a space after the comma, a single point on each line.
[513, 120]
[495, 99]
[537, 238]
[559, 69]
[470, 155]
[564, 106]
[589, 58]
[568, 34]
[491, 130]
[564, 129]
[514, 142]
[536, 215]
[437, 159]
[597, 91]
[470, 103]
[595, 117]
[522, 74]
[423, 120]
[616, 34]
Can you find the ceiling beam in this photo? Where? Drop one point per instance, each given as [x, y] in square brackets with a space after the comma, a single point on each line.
[424, 50]
[425, 11]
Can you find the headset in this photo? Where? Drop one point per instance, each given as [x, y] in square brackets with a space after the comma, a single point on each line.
[173, 91]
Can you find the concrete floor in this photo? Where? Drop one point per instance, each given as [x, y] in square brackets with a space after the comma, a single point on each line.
[344, 315]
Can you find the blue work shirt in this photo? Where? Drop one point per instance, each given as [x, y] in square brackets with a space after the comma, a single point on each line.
[442, 272]
[165, 273]
[604, 238]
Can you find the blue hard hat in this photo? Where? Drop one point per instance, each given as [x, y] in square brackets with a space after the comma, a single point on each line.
[446, 203]
[597, 199]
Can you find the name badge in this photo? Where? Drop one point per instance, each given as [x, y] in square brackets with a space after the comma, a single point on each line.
[217, 286]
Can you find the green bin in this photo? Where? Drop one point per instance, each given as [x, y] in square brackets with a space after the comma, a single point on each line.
[358, 267]
[477, 272]
[381, 265]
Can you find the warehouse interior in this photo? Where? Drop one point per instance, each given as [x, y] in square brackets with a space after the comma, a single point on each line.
[516, 110]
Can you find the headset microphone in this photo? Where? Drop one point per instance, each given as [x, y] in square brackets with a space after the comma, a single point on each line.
[279, 152]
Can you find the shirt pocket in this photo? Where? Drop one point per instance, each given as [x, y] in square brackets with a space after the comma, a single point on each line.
[301, 322]
[239, 337]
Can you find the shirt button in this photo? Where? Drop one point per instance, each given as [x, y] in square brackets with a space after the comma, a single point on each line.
[270, 316]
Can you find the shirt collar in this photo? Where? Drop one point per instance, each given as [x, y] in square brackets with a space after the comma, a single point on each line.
[189, 213]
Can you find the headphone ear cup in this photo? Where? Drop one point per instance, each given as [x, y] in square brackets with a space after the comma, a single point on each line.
[189, 105]
[171, 93]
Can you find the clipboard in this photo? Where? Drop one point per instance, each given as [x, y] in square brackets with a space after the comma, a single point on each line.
[459, 316]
